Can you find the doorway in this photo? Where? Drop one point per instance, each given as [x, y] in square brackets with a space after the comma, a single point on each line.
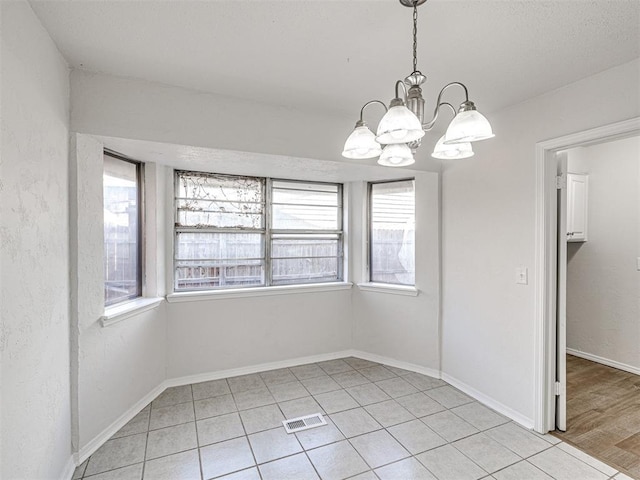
[550, 374]
[598, 300]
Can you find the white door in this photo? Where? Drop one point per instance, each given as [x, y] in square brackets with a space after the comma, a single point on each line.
[561, 301]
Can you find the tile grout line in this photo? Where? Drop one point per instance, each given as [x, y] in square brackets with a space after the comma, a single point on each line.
[306, 451]
[347, 439]
[146, 444]
[195, 423]
[246, 435]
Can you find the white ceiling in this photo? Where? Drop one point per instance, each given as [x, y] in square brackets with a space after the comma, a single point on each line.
[335, 55]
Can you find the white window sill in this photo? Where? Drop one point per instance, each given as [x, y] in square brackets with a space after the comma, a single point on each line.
[389, 288]
[256, 292]
[122, 311]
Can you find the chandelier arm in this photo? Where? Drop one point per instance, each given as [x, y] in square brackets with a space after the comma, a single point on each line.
[429, 125]
[404, 89]
[464, 87]
[450, 106]
[371, 102]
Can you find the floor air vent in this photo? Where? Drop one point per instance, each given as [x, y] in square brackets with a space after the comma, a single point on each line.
[304, 423]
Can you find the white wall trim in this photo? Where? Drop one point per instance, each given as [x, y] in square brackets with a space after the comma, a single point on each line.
[256, 292]
[604, 361]
[545, 287]
[545, 254]
[489, 402]
[262, 367]
[372, 357]
[409, 290]
[68, 470]
[107, 433]
[95, 443]
[122, 311]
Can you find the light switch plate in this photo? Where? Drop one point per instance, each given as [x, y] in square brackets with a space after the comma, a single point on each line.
[522, 276]
[638, 263]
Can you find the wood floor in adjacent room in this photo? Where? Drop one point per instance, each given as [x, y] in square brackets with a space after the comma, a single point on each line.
[603, 413]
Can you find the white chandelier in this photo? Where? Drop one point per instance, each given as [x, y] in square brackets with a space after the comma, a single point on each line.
[402, 127]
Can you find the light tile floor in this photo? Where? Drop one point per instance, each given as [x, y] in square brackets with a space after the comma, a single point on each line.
[383, 423]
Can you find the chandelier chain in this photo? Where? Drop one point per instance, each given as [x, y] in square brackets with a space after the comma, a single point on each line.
[415, 36]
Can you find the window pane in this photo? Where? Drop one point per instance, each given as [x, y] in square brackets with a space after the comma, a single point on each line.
[305, 197]
[121, 217]
[302, 247]
[207, 246]
[392, 242]
[305, 206]
[221, 201]
[209, 275]
[199, 213]
[305, 259]
[296, 217]
[304, 270]
[207, 260]
[220, 187]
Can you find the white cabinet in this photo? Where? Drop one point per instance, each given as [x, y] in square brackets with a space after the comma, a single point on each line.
[577, 201]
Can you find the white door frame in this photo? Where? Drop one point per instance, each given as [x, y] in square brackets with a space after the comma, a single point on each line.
[562, 160]
[545, 260]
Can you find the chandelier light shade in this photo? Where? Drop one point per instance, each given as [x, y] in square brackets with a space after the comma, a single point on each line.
[400, 131]
[396, 155]
[399, 125]
[468, 126]
[454, 151]
[361, 143]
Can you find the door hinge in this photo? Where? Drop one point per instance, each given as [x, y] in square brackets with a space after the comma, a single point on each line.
[558, 389]
[561, 182]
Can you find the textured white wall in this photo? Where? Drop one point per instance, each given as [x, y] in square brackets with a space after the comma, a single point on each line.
[213, 335]
[113, 367]
[603, 283]
[34, 252]
[142, 110]
[400, 327]
[199, 337]
[488, 210]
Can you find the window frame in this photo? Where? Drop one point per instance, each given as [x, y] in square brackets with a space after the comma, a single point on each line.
[267, 232]
[139, 234]
[369, 255]
[339, 232]
[222, 230]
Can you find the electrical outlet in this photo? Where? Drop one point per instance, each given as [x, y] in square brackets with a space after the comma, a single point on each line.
[522, 276]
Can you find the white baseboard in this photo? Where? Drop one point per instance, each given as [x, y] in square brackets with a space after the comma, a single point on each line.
[489, 402]
[430, 372]
[86, 451]
[69, 468]
[263, 367]
[95, 443]
[604, 361]
[105, 435]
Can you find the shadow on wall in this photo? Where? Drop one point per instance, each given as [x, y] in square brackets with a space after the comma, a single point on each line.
[572, 250]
